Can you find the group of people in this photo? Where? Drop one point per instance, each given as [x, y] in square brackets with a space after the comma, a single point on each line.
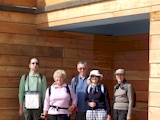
[86, 95]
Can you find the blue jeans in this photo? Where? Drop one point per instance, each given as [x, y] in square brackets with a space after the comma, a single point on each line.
[120, 114]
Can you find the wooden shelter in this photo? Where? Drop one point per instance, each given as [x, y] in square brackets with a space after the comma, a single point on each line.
[37, 28]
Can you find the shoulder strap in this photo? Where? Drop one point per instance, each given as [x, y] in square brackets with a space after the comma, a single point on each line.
[25, 76]
[89, 89]
[41, 76]
[75, 82]
[49, 90]
[102, 88]
[68, 91]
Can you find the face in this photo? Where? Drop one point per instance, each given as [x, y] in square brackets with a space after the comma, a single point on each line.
[95, 79]
[33, 65]
[82, 69]
[120, 77]
[59, 79]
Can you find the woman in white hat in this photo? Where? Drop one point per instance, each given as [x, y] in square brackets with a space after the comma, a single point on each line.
[97, 98]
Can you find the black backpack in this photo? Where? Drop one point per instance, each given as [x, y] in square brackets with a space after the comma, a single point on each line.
[134, 95]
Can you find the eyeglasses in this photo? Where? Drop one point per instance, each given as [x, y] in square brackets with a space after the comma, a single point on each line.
[35, 63]
[94, 76]
[82, 68]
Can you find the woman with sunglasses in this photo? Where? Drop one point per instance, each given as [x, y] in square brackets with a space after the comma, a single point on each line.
[97, 98]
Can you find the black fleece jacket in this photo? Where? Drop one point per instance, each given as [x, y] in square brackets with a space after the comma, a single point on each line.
[101, 99]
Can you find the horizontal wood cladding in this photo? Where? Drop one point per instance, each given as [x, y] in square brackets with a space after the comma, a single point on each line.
[15, 17]
[154, 26]
[103, 45]
[103, 55]
[7, 104]
[142, 55]
[153, 113]
[154, 70]
[155, 16]
[137, 75]
[77, 43]
[11, 114]
[28, 3]
[23, 61]
[8, 27]
[154, 99]
[140, 115]
[9, 93]
[9, 82]
[100, 12]
[154, 56]
[42, 3]
[133, 65]
[154, 89]
[154, 42]
[11, 38]
[12, 49]
[103, 65]
[78, 54]
[70, 35]
[154, 84]
[133, 45]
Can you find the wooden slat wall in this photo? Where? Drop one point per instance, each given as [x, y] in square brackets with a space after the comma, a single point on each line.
[104, 59]
[42, 3]
[20, 41]
[154, 60]
[131, 53]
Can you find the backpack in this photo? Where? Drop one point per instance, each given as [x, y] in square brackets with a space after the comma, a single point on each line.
[26, 75]
[89, 88]
[134, 95]
[67, 90]
[75, 83]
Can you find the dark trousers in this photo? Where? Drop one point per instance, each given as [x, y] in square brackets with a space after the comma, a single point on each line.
[120, 114]
[80, 115]
[31, 114]
[59, 117]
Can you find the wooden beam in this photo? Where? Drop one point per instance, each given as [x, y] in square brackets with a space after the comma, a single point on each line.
[89, 13]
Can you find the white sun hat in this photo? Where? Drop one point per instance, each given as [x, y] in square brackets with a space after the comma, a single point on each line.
[96, 73]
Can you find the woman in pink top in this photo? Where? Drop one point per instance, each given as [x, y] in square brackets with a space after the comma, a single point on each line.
[58, 96]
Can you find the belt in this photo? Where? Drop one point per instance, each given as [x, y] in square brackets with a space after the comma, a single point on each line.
[57, 108]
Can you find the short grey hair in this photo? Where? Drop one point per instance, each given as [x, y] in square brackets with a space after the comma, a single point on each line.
[59, 72]
[82, 62]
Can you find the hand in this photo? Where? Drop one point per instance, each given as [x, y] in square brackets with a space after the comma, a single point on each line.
[71, 108]
[108, 117]
[92, 104]
[128, 118]
[20, 112]
[43, 116]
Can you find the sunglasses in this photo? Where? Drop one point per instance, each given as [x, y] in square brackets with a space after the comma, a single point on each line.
[81, 68]
[92, 76]
[35, 63]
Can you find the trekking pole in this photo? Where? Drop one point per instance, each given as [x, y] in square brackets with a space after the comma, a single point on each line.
[92, 109]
